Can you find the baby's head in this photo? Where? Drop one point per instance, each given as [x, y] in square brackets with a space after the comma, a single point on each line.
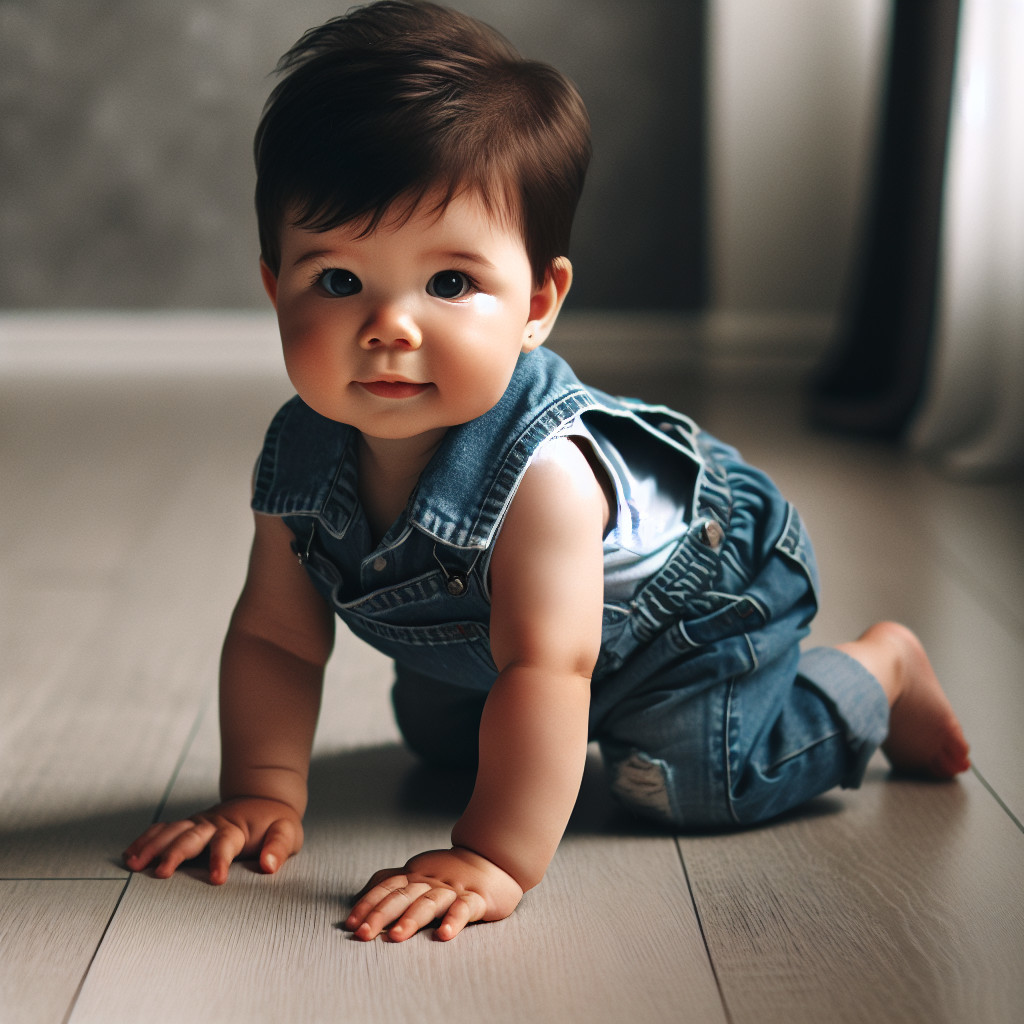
[403, 100]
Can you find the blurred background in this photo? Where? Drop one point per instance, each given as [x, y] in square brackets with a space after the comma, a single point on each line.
[754, 160]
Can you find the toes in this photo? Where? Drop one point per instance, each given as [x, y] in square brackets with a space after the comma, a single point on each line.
[954, 757]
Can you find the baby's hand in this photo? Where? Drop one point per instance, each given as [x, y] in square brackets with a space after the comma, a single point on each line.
[243, 827]
[456, 885]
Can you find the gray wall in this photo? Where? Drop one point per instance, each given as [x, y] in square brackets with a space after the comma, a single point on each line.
[125, 163]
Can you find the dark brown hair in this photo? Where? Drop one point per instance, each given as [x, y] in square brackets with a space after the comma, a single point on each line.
[402, 99]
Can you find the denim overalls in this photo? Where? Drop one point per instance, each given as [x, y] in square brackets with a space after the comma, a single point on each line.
[705, 710]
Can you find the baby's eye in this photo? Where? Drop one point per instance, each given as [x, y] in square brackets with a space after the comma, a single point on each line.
[449, 284]
[339, 284]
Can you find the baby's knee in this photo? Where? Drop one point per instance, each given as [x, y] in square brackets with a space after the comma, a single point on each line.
[642, 784]
[653, 788]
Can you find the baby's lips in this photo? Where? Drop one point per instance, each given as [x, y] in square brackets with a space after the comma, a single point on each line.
[394, 388]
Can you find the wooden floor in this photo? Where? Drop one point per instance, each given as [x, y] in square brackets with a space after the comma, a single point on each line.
[123, 533]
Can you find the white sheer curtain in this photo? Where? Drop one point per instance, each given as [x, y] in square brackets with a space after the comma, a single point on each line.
[973, 418]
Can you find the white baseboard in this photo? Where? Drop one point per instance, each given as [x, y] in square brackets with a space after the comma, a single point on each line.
[92, 344]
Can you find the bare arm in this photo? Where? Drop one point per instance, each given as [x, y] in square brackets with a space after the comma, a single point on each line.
[278, 641]
[547, 598]
[547, 590]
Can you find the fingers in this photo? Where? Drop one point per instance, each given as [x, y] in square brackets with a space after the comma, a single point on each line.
[159, 843]
[409, 907]
[186, 846]
[225, 845]
[282, 840]
[462, 912]
[393, 888]
[139, 854]
[170, 844]
[424, 910]
[243, 827]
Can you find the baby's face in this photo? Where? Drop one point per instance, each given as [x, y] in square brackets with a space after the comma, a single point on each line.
[411, 329]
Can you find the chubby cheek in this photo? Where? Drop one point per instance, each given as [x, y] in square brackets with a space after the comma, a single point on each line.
[312, 368]
[478, 378]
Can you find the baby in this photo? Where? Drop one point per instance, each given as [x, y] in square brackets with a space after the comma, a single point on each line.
[545, 564]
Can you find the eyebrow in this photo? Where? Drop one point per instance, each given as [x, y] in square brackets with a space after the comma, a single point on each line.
[467, 257]
[313, 254]
[453, 254]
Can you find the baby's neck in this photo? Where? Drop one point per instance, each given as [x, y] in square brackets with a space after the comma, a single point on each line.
[389, 470]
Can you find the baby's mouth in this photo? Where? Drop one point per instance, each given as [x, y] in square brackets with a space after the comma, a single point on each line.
[393, 388]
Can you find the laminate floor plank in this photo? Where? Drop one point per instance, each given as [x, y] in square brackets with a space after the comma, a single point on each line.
[48, 934]
[977, 654]
[123, 550]
[901, 902]
[610, 932]
[270, 949]
[94, 758]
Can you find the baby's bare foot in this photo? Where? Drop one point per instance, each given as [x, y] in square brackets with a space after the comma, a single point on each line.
[925, 737]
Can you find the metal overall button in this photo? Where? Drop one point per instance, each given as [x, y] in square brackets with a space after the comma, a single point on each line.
[456, 583]
[712, 534]
[380, 563]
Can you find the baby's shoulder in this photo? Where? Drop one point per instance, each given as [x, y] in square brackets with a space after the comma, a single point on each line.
[563, 483]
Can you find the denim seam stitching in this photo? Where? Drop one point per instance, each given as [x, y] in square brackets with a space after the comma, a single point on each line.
[728, 754]
[803, 750]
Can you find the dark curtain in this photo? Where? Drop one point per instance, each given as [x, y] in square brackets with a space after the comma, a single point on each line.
[873, 380]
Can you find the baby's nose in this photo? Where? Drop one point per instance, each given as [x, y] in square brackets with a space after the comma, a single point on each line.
[390, 326]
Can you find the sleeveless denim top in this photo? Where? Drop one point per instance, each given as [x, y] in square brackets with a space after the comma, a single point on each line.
[421, 595]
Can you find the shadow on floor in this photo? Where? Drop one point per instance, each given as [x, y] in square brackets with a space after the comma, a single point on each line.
[381, 787]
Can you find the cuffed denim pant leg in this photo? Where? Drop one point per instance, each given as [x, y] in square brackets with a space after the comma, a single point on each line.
[750, 748]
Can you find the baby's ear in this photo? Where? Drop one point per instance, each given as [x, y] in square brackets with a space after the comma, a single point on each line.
[546, 302]
[269, 283]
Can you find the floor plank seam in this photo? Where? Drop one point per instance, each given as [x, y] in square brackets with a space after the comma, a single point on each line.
[998, 799]
[99, 945]
[703, 934]
[204, 707]
[120, 879]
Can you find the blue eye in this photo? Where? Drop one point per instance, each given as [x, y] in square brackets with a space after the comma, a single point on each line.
[339, 284]
[449, 284]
